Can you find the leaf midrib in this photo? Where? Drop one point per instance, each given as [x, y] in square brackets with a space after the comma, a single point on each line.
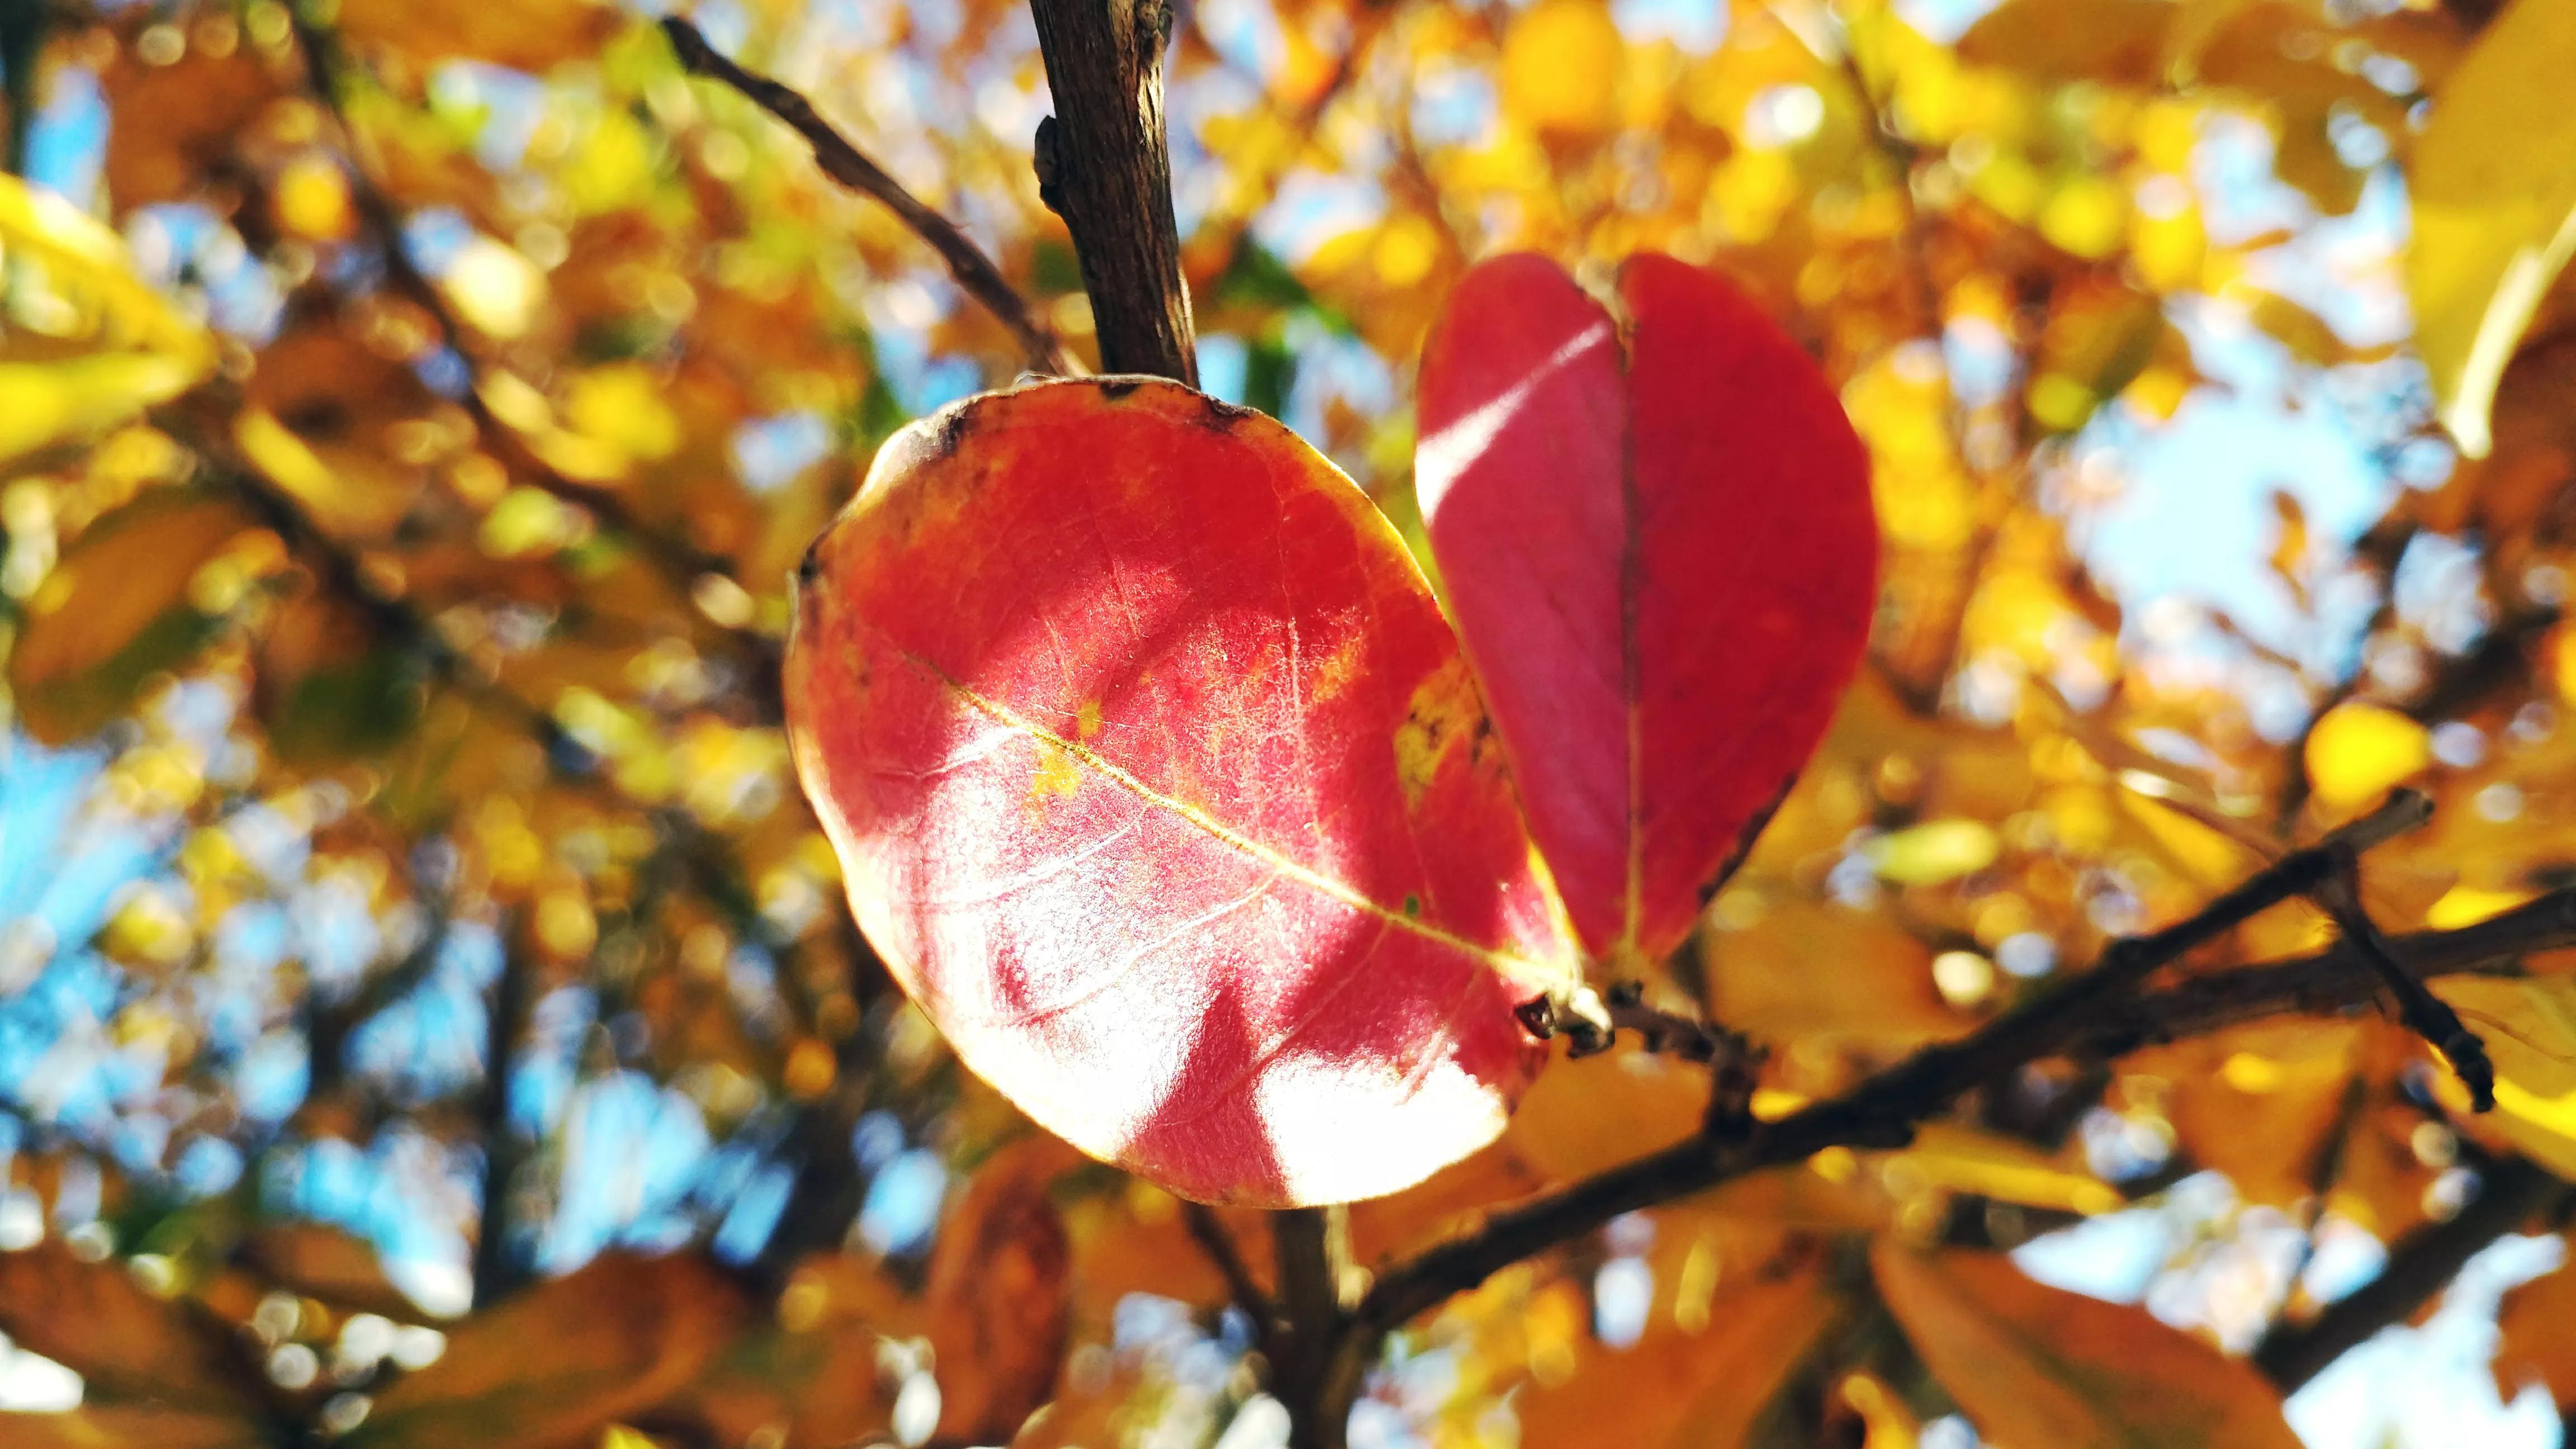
[1517, 967]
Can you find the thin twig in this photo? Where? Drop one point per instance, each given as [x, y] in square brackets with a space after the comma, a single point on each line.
[2424, 1013]
[2330, 981]
[845, 163]
[1213, 1239]
[382, 221]
[1667, 1033]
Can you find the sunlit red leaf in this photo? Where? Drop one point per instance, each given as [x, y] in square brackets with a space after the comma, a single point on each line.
[2038, 1365]
[1657, 538]
[1159, 781]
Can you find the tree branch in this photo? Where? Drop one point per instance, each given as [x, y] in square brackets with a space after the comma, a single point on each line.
[1314, 1248]
[1879, 1113]
[2330, 981]
[328, 1030]
[2427, 1015]
[498, 1270]
[1105, 166]
[845, 163]
[2510, 1193]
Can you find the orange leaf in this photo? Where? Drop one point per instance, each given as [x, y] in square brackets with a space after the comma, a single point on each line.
[116, 610]
[998, 1305]
[2034, 1365]
[126, 1344]
[2534, 1342]
[1709, 1385]
[129, 1426]
[565, 1358]
[320, 1261]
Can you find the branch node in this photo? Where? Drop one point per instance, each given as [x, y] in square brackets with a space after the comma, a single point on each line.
[1047, 158]
[1538, 1017]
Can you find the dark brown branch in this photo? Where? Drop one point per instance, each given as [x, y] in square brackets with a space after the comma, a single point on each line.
[327, 1036]
[1668, 1033]
[1104, 165]
[1314, 1252]
[1881, 1112]
[845, 163]
[2510, 1193]
[2330, 981]
[498, 1269]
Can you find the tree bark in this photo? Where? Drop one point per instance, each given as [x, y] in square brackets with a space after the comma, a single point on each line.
[1105, 166]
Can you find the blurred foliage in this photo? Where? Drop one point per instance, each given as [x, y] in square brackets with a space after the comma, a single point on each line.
[409, 425]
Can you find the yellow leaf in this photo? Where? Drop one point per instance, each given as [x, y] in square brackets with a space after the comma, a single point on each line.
[146, 351]
[2120, 41]
[2463, 905]
[1935, 852]
[2359, 751]
[2494, 185]
[2528, 1025]
[1600, 1111]
[1561, 68]
[2253, 1101]
[2035, 1366]
[53, 402]
[1881, 992]
[2539, 1125]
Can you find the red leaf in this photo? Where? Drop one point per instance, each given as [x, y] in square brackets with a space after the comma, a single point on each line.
[1158, 779]
[1663, 559]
